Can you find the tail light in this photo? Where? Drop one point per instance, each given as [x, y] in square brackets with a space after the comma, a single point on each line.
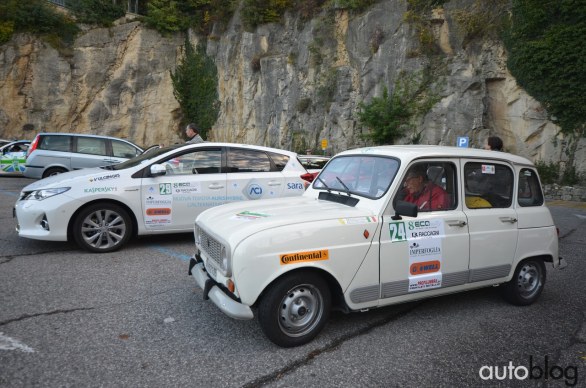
[33, 146]
[308, 178]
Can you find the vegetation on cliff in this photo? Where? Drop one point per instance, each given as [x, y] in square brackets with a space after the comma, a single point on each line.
[547, 56]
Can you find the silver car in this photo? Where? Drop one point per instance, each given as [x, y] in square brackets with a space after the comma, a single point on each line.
[56, 153]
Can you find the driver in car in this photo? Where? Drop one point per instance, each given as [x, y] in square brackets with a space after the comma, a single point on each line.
[425, 194]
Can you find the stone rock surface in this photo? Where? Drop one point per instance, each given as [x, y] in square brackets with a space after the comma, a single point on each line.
[289, 85]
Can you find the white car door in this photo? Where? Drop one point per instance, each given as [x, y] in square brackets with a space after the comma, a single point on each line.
[430, 251]
[492, 219]
[193, 183]
[250, 175]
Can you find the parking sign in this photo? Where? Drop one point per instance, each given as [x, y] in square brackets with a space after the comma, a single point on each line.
[463, 141]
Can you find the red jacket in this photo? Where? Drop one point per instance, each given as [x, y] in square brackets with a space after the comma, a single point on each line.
[432, 197]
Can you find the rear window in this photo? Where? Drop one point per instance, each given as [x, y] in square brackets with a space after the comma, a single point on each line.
[279, 160]
[55, 143]
[91, 146]
[244, 160]
[121, 149]
[529, 193]
[488, 185]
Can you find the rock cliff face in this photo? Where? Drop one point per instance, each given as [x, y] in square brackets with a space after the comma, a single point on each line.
[287, 86]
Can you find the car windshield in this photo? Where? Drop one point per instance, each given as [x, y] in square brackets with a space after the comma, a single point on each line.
[142, 158]
[367, 176]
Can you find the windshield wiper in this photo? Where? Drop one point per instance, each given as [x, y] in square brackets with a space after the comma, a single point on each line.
[343, 184]
[325, 185]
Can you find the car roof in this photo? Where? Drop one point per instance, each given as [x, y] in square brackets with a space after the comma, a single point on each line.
[14, 142]
[82, 134]
[247, 146]
[412, 152]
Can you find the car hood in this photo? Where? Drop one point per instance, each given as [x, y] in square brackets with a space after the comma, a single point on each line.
[71, 178]
[234, 222]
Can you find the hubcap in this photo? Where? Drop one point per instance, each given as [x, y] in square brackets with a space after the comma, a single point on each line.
[301, 310]
[103, 229]
[529, 280]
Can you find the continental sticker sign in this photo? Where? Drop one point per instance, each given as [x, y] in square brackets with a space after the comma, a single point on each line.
[304, 257]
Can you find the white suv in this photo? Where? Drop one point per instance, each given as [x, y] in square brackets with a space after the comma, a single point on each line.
[379, 226]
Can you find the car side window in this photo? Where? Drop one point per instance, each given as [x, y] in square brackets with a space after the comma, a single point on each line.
[91, 146]
[432, 186]
[121, 149]
[55, 143]
[279, 160]
[529, 192]
[488, 185]
[208, 161]
[244, 160]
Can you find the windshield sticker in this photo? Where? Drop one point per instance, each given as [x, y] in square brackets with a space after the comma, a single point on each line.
[357, 220]
[488, 169]
[248, 215]
[304, 257]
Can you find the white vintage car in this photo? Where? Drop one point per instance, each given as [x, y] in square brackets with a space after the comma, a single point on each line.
[161, 191]
[378, 226]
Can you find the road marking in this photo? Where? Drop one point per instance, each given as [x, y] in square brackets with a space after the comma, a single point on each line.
[10, 193]
[580, 216]
[172, 253]
[7, 343]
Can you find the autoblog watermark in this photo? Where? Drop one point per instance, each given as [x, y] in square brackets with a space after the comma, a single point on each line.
[542, 369]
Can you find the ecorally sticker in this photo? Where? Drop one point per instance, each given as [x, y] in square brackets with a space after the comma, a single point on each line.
[304, 257]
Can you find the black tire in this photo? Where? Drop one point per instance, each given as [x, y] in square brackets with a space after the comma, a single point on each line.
[53, 171]
[295, 309]
[527, 283]
[102, 227]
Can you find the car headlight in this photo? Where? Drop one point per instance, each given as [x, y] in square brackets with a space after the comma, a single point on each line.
[42, 194]
[197, 235]
[224, 260]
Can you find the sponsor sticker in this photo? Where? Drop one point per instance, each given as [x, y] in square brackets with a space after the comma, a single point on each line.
[488, 169]
[248, 215]
[92, 190]
[357, 220]
[104, 178]
[304, 257]
[155, 211]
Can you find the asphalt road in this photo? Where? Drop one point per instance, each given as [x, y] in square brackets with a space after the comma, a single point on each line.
[135, 318]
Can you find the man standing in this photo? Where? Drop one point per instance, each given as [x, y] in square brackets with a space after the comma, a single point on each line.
[193, 133]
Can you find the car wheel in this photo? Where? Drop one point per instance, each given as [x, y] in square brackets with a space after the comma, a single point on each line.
[527, 283]
[53, 171]
[295, 309]
[102, 227]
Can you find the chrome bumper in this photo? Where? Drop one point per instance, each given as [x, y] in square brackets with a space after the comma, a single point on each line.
[227, 305]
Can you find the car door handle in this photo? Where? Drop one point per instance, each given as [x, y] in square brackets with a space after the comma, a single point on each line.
[459, 223]
[511, 220]
[273, 183]
[215, 186]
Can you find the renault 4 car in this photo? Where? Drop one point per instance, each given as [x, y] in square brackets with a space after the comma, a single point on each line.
[378, 226]
[161, 191]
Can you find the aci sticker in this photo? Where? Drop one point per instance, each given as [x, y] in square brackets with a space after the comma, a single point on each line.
[302, 257]
[253, 191]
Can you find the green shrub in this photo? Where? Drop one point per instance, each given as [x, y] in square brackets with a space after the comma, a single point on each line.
[195, 86]
[6, 31]
[100, 12]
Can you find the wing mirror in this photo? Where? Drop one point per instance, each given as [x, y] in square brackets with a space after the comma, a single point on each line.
[158, 170]
[404, 208]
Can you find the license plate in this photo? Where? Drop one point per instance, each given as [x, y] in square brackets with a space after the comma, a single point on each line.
[212, 271]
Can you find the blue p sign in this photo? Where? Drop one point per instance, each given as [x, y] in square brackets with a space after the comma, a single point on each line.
[463, 141]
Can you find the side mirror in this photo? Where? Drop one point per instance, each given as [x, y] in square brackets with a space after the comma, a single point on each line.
[158, 170]
[404, 208]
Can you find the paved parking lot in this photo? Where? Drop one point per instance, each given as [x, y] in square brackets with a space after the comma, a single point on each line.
[134, 318]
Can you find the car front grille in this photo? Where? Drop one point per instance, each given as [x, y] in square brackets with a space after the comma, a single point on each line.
[211, 247]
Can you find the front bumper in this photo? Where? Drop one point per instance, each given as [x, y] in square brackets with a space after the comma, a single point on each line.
[227, 305]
